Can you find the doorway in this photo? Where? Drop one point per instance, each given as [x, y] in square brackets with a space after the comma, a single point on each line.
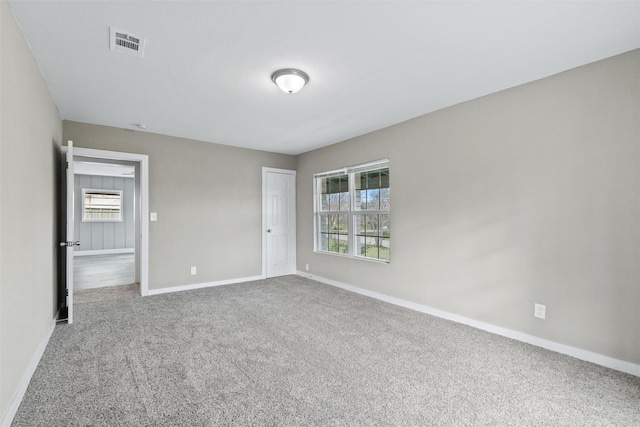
[104, 264]
[278, 222]
[139, 247]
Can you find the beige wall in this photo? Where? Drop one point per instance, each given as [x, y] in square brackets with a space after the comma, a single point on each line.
[30, 131]
[527, 195]
[208, 198]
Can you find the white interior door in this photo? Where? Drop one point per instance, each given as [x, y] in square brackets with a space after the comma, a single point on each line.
[70, 243]
[279, 222]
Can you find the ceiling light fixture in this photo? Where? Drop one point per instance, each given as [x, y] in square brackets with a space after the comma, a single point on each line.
[290, 80]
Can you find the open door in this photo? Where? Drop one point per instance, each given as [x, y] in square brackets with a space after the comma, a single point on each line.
[67, 243]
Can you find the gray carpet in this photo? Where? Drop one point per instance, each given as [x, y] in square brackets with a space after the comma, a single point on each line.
[106, 293]
[291, 351]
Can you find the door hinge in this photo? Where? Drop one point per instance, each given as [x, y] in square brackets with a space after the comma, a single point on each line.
[67, 163]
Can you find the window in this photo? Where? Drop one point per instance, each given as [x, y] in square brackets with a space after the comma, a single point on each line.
[352, 210]
[101, 205]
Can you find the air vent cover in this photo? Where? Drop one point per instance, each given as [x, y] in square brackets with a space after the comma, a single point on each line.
[126, 43]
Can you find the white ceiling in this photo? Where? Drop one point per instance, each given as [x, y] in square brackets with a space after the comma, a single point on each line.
[206, 70]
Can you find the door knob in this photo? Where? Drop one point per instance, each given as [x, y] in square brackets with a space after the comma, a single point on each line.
[268, 230]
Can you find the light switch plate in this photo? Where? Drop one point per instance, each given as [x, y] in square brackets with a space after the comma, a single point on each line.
[154, 216]
[539, 311]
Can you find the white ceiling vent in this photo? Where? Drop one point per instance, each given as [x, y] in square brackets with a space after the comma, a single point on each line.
[126, 43]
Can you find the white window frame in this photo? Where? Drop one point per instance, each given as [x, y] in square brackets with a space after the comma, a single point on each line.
[101, 190]
[352, 213]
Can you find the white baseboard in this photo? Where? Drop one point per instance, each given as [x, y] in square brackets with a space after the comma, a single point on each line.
[104, 252]
[203, 285]
[578, 353]
[26, 378]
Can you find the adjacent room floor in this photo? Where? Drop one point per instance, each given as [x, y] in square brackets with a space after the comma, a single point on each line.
[290, 351]
[104, 277]
[96, 271]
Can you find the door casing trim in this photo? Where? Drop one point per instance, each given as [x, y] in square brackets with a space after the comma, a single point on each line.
[143, 161]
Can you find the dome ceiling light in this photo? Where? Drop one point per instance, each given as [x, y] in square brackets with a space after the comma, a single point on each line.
[290, 80]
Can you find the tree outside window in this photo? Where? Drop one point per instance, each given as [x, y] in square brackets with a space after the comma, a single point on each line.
[353, 211]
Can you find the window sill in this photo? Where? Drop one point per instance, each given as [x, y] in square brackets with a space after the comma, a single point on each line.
[376, 261]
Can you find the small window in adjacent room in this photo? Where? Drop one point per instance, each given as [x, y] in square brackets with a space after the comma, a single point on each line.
[353, 211]
[101, 205]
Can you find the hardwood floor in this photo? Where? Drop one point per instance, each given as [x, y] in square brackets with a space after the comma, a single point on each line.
[98, 271]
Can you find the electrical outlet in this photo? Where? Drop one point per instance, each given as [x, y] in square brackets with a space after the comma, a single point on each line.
[539, 311]
[306, 266]
[193, 271]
